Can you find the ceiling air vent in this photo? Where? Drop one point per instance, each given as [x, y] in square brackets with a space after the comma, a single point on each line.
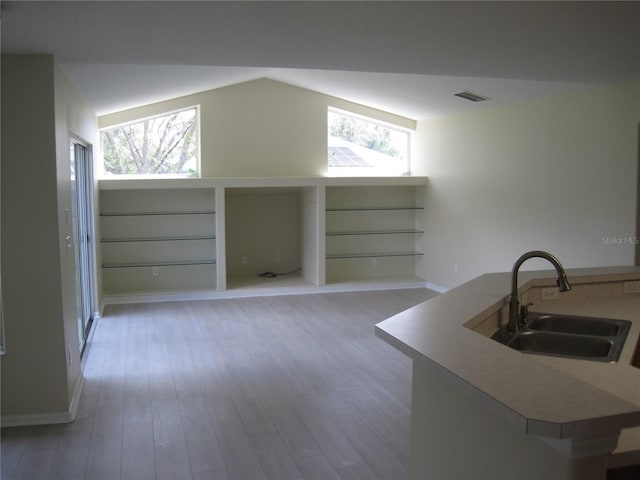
[472, 97]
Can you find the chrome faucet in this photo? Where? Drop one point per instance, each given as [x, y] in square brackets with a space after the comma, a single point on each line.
[515, 316]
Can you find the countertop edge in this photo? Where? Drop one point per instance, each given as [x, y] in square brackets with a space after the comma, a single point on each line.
[449, 312]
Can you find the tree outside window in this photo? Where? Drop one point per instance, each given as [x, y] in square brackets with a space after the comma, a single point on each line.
[160, 145]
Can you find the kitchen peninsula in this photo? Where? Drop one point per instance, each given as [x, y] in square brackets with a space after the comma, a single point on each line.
[481, 410]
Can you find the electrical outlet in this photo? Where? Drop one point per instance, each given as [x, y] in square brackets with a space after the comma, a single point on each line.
[155, 271]
[374, 262]
[245, 260]
[631, 287]
[456, 268]
[277, 258]
[549, 293]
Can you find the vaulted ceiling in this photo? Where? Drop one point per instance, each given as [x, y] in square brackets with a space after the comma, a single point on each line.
[404, 57]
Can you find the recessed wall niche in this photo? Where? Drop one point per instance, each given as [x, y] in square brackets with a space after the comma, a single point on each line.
[265, 228]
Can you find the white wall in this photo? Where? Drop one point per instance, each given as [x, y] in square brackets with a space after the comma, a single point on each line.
[39, 107]
[73, 117]
[33, 370]
[557, 174]
[261, 128]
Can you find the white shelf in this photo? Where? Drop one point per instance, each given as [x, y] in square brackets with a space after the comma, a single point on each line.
[145, 214]
[374, 209]
[134, 183]
[294, 280]
[157, 239]
[375, 232]
[373, 255]
[159, 264]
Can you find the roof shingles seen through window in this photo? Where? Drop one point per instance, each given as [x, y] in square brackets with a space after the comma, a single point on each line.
[345, 157]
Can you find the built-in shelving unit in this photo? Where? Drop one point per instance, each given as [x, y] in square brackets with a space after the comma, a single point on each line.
[211, 237]
[153, 239]
[368, 228]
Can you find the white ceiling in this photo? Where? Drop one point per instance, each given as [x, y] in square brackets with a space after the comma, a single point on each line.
[404, 57]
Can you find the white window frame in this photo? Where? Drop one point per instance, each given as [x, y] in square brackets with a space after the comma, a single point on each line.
[369, 171]
[102, 175]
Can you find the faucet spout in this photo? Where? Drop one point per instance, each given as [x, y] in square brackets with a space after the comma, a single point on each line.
[562, 281]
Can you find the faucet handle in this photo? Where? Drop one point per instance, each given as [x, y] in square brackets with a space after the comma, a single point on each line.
[524, 313]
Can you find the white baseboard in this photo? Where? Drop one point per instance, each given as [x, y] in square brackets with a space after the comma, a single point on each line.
[437, 288]
[35, 419]
[75, 398]
[261, 292]
[47, 418]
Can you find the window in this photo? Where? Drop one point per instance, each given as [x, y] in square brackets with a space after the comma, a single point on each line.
[162, 145]
[362, 146]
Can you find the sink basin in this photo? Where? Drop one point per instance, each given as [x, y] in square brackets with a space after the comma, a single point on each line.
[572, 336]
[577, 346]
[602, 327]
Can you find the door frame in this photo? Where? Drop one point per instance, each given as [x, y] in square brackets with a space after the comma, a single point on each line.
[90, 275]
[637, 239]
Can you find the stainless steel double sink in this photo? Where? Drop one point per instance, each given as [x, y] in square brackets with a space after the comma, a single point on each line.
[587, 338]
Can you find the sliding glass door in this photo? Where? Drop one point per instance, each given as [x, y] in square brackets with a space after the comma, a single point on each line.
[82, 214]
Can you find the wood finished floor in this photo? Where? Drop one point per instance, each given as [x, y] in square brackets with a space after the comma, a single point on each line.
[277, 388]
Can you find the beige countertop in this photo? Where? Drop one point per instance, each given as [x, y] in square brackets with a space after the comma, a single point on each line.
[540, 395]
